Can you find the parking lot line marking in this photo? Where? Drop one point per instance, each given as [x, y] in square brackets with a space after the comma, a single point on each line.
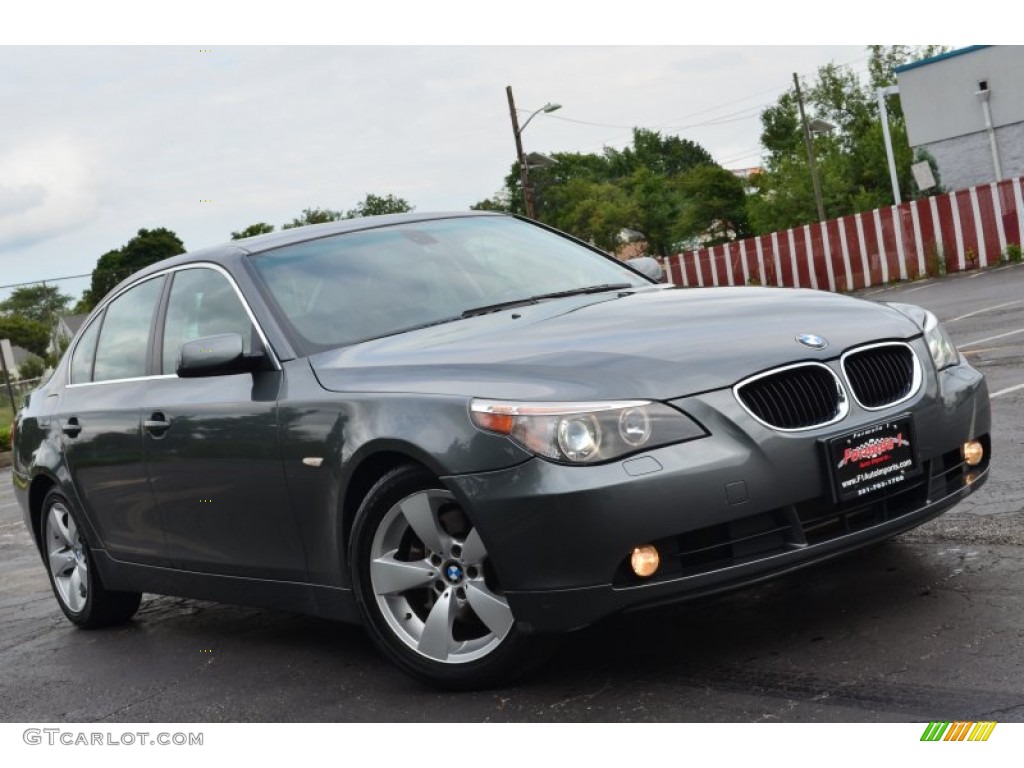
[983, 310]
[1006, 391]
[990, 338]
[920, 287]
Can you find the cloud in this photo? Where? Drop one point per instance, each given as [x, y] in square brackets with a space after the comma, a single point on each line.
[46, 190]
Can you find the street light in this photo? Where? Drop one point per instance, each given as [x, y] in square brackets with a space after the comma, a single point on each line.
[524, 166]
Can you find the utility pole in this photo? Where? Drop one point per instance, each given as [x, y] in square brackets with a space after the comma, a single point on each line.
[524, 167]
[809, 143]
[524, 174]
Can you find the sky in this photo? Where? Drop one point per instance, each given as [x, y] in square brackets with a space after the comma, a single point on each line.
[204, 138]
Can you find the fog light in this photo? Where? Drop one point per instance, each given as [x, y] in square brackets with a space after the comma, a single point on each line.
[644, 560]
[973, 453]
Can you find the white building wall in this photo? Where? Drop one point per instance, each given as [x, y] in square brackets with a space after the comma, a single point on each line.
[945, 116]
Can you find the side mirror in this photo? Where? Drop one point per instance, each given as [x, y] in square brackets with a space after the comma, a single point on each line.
[219, 355]
[648, 267]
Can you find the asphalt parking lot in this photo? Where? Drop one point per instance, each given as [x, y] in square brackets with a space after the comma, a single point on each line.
[929, 626]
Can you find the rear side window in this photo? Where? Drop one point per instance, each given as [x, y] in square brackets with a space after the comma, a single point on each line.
[202, 303]
[85, 352]
[124, 337]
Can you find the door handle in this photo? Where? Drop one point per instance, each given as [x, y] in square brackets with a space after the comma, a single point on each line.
[157, 424]
[71, 427]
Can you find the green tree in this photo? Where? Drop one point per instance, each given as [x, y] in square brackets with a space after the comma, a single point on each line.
[32, 368]
[147, 247]
[851, 156]
[37, 302]
[595, 211]
[377, 205]
[260, 228]
[29, 334]
[314, 216]
[666, 156]
[715, 207]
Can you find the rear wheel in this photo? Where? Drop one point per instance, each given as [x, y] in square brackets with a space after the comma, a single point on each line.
[427, 589]
[77, 586]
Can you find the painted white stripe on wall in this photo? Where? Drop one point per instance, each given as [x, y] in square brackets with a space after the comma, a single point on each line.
[897, 225]
[846, 254]
[978, 231]
[743, 262]
[915, 218]
[682, 269]
[777, 259]
[792, 258]
[727, 248]
[714, 266]
[937, 229]
[828, 257]
[997, 205]
[863, 251]
[810, 256]
[760, 261]
[880, 239]
[700, 272]
[961, 259]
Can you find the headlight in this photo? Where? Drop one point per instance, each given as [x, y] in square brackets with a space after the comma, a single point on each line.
[940, 346]
[585, 433]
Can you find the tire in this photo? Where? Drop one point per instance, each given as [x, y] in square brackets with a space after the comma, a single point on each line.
[427, 592]
[73, 576]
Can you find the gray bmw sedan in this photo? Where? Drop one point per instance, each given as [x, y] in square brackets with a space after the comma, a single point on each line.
[472, 433]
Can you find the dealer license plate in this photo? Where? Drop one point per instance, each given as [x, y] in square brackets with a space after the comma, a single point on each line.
[872, 459]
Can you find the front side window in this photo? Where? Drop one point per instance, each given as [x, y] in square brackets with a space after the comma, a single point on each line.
[124, 337]
[202, 303]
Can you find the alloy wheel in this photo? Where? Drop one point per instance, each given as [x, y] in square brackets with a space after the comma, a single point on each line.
[432, 581]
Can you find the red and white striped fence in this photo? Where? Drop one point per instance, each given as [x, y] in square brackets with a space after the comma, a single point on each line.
[966, 229]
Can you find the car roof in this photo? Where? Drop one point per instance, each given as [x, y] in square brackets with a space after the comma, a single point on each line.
[225, 252]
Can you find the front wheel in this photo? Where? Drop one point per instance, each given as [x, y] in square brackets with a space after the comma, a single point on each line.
[427, 589]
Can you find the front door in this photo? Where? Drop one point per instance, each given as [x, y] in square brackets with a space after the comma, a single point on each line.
[212, 446]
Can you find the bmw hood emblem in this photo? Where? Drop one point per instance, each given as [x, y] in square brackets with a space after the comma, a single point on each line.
[812, 340]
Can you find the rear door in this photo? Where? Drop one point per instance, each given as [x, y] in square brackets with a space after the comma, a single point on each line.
[99, 417]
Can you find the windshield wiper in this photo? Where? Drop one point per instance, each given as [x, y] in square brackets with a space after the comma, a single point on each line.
[579, 291]
[488, 308]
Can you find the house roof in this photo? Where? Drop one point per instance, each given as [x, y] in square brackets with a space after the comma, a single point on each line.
[73, 322]
[940, 57]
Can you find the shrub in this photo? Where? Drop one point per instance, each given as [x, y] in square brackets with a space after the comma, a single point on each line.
[1013, 252]
[5, 439]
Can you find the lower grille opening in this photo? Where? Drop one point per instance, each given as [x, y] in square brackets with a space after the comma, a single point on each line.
[747, 539]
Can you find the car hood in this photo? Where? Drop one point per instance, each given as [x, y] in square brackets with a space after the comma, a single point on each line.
[657, 344]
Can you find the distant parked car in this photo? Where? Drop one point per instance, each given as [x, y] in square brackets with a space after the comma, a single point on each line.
[471, 432]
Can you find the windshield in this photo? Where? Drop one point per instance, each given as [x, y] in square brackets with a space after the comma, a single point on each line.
[362, 285]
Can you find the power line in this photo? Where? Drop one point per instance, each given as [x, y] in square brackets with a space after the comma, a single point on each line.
[46, 280]
[670, 125]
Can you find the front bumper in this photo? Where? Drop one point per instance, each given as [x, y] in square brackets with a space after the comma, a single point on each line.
[742, 505]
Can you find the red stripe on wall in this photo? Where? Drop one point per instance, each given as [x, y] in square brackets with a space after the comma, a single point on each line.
[928, 241]
[1008, 203]
[849, 227]
[967, 228]
[948, 232]
[989, 231]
